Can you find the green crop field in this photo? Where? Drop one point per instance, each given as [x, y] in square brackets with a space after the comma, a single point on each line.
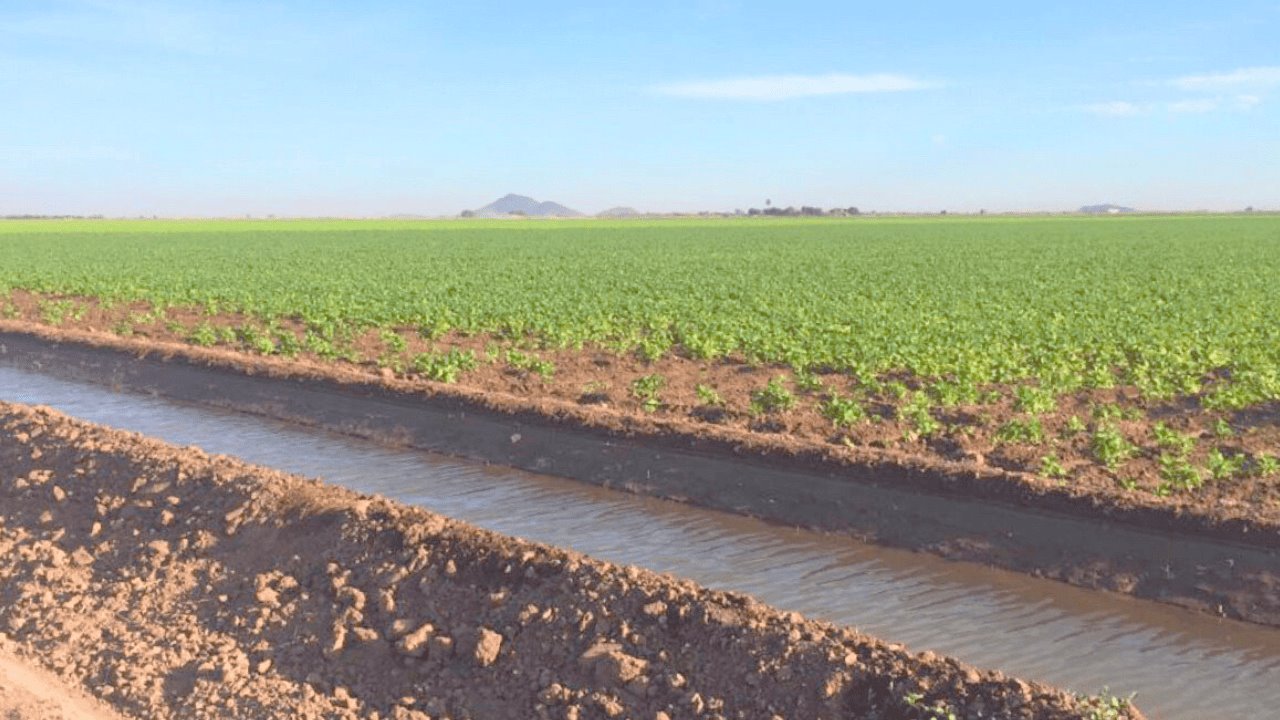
[1158, 302]
[1176, 307]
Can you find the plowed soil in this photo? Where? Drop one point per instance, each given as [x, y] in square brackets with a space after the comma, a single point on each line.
[172, 584]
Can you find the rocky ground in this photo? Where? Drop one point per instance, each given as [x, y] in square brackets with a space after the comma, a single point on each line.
[173, 584]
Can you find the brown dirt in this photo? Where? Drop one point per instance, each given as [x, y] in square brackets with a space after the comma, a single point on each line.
[174, 584]
[28, 692]
[591, 388]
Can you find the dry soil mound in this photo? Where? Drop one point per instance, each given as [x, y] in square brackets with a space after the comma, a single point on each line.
[174, 584]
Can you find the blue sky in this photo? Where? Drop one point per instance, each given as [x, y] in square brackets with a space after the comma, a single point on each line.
[224, 108]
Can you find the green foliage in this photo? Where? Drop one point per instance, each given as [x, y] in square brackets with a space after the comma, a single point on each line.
[1169, 439]
[937, 711]
[204, 335]
[56, 312]
[708, 396]
[647, 390]
[287, 343]
[1074, 426]
[445, 367]
[843, 412]
[394, 346]
[1105, 706]
[1028, 431]
[1034, 400]
[1222, 429]
[1112, 412]
[1224, 467]
[774, 397]
[1051, 467]
[1064, 298]
[393, 341]
[530, 363]
[1176, 472]
[808, 381]
[256, 339]
[951, 393]
[896, 389]
[228, 335]
[1266, 466]
[917, 412]
[1110, 446]
[1249, 386]
[653, 345]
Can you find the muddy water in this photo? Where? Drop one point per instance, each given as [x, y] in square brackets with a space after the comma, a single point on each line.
[1180, 664]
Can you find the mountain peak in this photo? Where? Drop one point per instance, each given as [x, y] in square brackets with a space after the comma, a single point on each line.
[513, 204]
[1106, 208]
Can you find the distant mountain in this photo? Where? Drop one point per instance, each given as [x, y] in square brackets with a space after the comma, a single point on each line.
[616, 212]
[521, 205]
[1106, 209]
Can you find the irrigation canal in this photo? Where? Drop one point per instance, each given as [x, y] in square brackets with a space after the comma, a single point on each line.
[1180, 664]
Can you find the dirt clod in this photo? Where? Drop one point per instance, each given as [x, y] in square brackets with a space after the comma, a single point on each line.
[415, 644]
[487, 645]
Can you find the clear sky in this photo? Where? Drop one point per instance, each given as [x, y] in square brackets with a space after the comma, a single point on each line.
[368, 108]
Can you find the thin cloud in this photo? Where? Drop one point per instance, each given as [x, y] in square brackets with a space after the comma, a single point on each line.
[1189, 106]
[64, 153]
[1252, 77]
[1199, 105]
[149, 23]
[787, 87]
[1115, 108]
[1247, 102]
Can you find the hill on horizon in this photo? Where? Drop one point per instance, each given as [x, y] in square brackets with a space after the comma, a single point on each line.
[512, 204]
[615, 212]
[1106, 208]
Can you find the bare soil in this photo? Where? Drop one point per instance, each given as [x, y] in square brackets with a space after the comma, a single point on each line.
[174, 584]
[28, 692]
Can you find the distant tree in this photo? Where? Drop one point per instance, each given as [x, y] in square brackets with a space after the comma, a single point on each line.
[852, 211]
[467, 213]
[518, 213]
[982, 212]
[753, 211]
[944, 212]
[1249, 209]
